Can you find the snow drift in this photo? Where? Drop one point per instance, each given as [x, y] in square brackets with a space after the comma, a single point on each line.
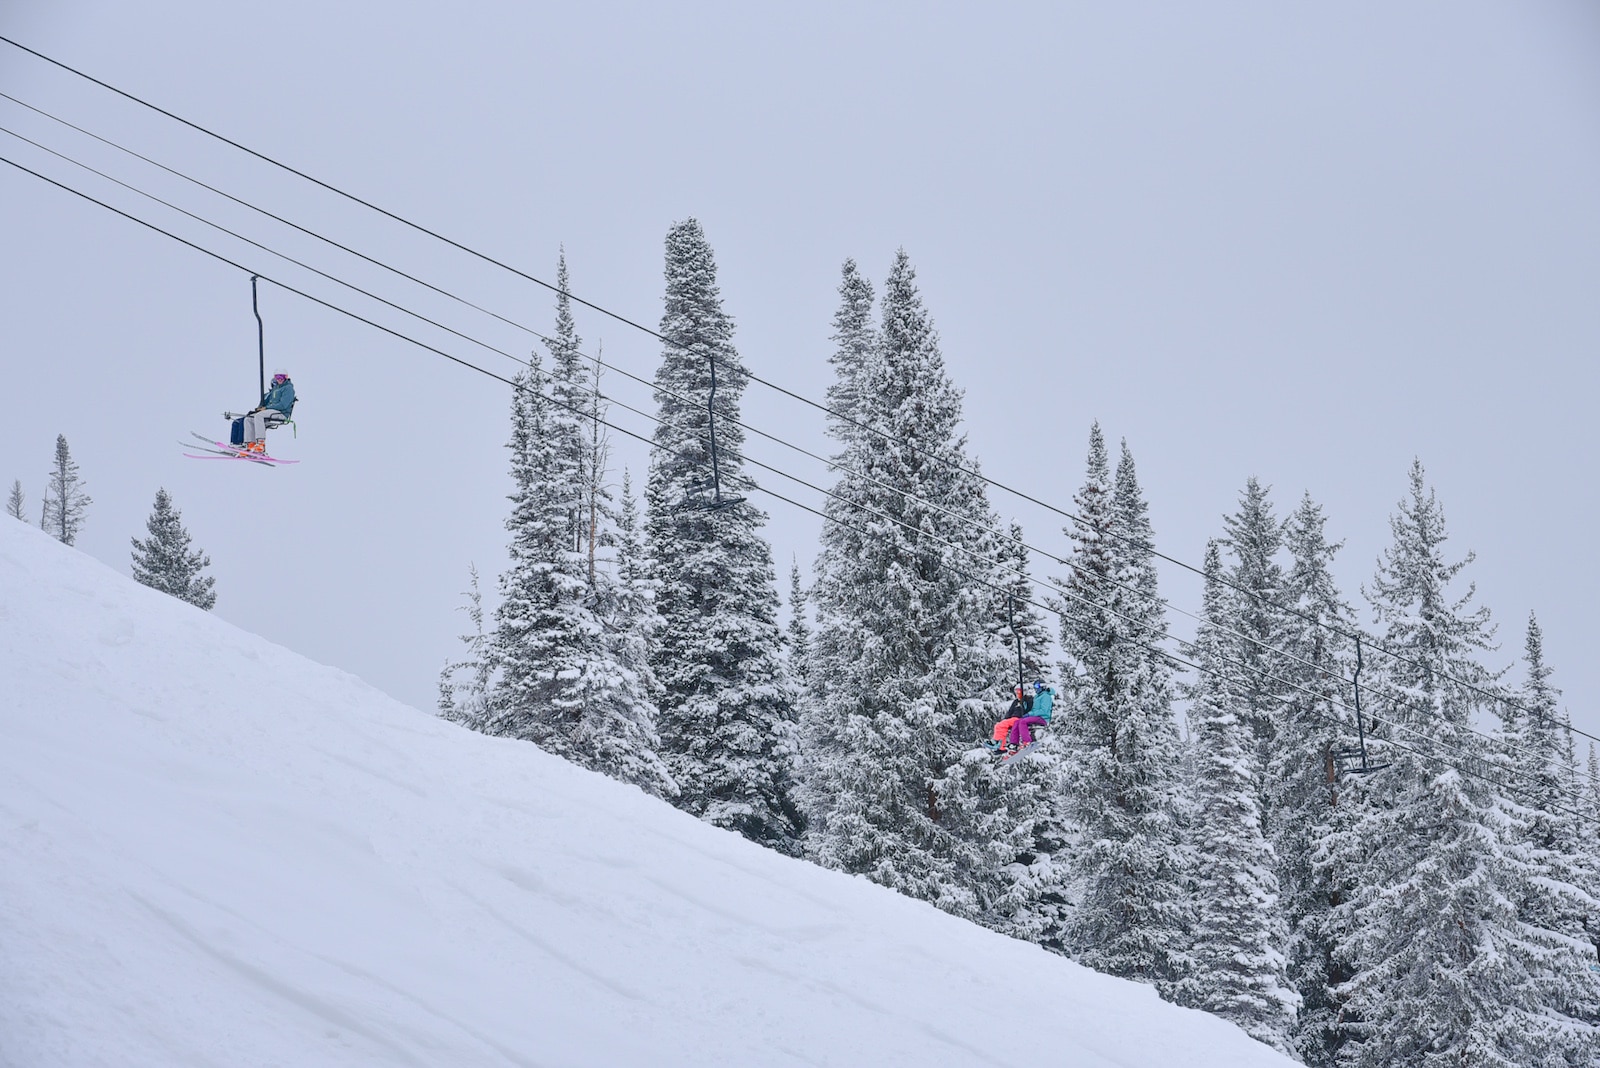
[213, 851]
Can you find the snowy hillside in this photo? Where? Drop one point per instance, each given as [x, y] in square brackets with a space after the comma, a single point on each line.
[213, 851]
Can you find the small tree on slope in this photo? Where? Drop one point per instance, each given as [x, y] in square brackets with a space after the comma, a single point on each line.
[14, 503]
[164, 561]
[465, 684]
[1239, 969]
[727, 712]
[64, 499]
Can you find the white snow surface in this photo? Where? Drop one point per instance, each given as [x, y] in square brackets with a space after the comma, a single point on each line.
[216, 852]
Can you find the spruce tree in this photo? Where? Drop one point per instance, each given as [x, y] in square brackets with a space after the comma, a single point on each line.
[164, 561]
[727, 716]
[1554, 882]
[855, 341]
[64, 499]
[541, 625]
[895, 785]
[571, 395]
[465, 685]
[566, 663]
[799, 630]
[14, 503]
[1254, 538]
[1308, 802]
[1593, 792]
[1442, 973]
[1239, 971]
[1126, 780]
[624, 741]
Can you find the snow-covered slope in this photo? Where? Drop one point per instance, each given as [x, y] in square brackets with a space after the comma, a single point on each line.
[215, 852]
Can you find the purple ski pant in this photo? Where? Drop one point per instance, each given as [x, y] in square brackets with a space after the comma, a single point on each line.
[1022, 730]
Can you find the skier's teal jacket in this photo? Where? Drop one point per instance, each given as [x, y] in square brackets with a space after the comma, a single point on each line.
[1043, 703]
[279, 398]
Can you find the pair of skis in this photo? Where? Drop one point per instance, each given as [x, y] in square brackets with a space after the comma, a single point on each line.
[222, 450]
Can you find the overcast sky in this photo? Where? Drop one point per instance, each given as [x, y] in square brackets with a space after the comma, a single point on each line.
[1301, 242]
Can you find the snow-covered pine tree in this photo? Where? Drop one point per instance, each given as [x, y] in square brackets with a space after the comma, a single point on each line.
[542, 629]
[1126, 778]
[1555, 885]
[164, 561]
[798, 632]
[894, 779]
[14, 503]
[622, 714]
[1254, 538]
[596, 502]
[571, 395]
[566, 658]
[465, 684]
[1308, 803]
[1238, 968]
[1593, 783]
[64, 498]
[855, 340]
[1442, 974]
[726, 715]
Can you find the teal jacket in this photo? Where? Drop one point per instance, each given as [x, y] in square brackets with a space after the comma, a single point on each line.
[279, 398]
[1043, 703]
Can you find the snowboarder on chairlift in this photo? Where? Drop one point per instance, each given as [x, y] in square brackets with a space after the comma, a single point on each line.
[250, 429]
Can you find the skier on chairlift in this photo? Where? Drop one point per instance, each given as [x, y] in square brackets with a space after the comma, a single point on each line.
[1021, 735]
[1028, 711]
[277, 404]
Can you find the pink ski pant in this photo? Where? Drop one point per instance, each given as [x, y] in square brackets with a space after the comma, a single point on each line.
[1022, 730]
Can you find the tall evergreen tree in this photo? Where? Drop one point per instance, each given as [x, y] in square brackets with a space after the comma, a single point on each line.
[14, 503]
[1442, 971]
[571, 394]
[566, 664]
[855, 341]
[1126, 781]
[894, 784]
[1554, 886]
[727, 714]
[1306, 798]
[1239, 971]
[164, 561]
[1257, 621]
[1594, 782]
[64, 498]
[541, 625]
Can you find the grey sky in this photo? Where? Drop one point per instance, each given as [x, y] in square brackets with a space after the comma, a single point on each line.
[1301, 242]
